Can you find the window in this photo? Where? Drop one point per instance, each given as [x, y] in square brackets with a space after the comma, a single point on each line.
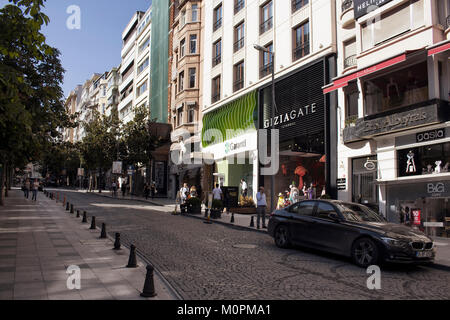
[351, 103]
[181, 81]
[301, 41]
[215, 96]
[396, 89]
[350, 53]
[305, 208]
[266, 61]
[238, 5]
[239, 37]
[266, 17]
[217, 52]
[183, 18]
[194, 17]
[238, 76]
[298, 4]
[192, 72]
[193, 44]
[143, 65]
[182, 47]
[324, 209]
[180, 116]
[399, 20]
[142, 88]
[217, 17]
[191, 115]
[145, 45]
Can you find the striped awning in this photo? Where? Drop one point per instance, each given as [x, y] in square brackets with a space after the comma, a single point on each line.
[238, 117]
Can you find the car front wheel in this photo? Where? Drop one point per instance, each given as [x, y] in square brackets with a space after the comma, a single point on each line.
[365, 252]
[282, 238]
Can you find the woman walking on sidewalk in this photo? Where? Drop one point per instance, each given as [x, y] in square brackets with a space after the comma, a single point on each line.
[34, 190]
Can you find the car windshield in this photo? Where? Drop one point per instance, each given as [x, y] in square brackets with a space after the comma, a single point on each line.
[359, 213]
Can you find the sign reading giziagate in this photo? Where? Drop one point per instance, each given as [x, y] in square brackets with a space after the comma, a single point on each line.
[363, 7]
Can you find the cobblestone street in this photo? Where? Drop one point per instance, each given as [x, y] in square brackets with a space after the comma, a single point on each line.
[218, 262]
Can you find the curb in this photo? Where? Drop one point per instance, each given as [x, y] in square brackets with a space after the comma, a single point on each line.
[118, 198]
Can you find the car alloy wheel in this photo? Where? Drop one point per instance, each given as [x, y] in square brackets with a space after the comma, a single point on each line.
[365, 252]
[282, 239]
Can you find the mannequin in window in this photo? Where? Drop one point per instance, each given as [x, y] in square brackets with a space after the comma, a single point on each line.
[393, 94]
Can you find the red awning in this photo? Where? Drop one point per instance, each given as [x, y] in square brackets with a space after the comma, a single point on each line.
[438, 48]
[343, 81]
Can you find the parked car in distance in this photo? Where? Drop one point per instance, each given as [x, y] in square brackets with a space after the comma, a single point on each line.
[349, 229]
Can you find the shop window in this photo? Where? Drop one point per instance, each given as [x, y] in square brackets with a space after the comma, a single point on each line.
[396, 89]
[364, 189]
[426, 160]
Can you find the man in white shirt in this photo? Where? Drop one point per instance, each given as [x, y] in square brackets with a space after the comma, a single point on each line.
[244, 188]
[261, 207]
[217, 193]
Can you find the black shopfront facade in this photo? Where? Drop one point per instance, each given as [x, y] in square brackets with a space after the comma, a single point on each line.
[306, 120]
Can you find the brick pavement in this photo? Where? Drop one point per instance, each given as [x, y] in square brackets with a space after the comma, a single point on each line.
[39, 240]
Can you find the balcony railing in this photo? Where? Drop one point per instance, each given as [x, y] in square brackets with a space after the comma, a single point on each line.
[301, 51]
[350, 61]
[347, 4]
[298, 4]
[238, 84]
[239, 44]
[216, 60]
[239, 6]
[266, 25]
[217, 24]
[265, 70]
[215, 97]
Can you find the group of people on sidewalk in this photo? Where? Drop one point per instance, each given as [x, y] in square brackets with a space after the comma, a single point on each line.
[186, 193]
[32, 186]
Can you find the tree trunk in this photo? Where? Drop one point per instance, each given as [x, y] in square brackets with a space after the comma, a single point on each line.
[7, 182]
[2, 183]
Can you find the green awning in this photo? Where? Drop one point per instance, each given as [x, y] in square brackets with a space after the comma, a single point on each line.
[240, 116]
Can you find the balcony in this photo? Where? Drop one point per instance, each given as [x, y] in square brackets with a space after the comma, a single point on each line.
[217, 24]
[239, 44]
[265, 70]
[350, 61]
[216, 60]
[238, 85]
[301, 51]
[266, 25]
[240, 4]
[347, 14]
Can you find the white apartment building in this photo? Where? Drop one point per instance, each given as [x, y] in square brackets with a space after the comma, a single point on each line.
[135, 66]
[112, 91]
[393, 91]
[237, 90]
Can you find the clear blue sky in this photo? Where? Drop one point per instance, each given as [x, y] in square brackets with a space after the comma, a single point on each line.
[95, 48]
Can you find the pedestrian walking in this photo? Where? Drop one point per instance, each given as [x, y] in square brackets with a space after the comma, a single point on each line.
[27, 188]
[114, 189]
[407, 216]
[153, 190]
[217, 193]
[261, 206]
[124, 189]
[184, 191]
[244, 188]
[34, 190]
[146, 191]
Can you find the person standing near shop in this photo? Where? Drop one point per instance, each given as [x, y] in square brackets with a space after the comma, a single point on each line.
[261, 206]
[244, 188]
[184, 193]
[27, 189]
[34, 190]
[407, 216]
[217, 193]
[153, 190]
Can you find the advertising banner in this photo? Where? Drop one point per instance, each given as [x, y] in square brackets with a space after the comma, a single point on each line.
[117, 167]
[416, 215]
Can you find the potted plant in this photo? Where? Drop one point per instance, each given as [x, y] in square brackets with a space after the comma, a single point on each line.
[194, 205]
[246, 206]
[216, 209]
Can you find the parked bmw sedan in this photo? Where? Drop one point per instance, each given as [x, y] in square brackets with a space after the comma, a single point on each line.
[349, 229]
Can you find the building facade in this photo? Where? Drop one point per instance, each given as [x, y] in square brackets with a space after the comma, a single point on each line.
[393, 91]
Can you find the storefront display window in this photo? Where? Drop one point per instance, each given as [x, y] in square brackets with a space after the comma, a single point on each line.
[396, 89]
[426, 160]
[364, 189]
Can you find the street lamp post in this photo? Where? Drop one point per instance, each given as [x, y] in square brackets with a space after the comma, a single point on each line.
[272, 113]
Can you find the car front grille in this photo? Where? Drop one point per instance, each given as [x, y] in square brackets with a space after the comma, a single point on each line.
[429, 246]
[417, 245]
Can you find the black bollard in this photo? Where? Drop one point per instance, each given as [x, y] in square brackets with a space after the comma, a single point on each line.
[132, 259]
[117, 242]
[149, 285]
[78, 213]
[84, 217]
[252, 222]
[103, 233]
[93, 226]
[67, 206]
[71, 208]
[232, 218]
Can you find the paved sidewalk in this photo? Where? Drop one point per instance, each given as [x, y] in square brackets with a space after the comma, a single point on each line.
[39, 240]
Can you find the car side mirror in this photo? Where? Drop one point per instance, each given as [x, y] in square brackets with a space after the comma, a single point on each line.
[334, 216]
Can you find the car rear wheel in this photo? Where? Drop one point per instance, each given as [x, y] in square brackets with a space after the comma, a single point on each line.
[365, 252]
[282, 238]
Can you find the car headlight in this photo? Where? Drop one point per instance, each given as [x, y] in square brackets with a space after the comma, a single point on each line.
[391, 241]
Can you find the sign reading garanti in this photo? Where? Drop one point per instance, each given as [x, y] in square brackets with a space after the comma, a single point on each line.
[363, 7]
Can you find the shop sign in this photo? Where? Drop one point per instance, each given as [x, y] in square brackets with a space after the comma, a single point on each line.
[416, 215]
[435, 189]
[291, 116]
[117, 167]
[231, 147]
[341, 184]
[430, 135]
[363, 7]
